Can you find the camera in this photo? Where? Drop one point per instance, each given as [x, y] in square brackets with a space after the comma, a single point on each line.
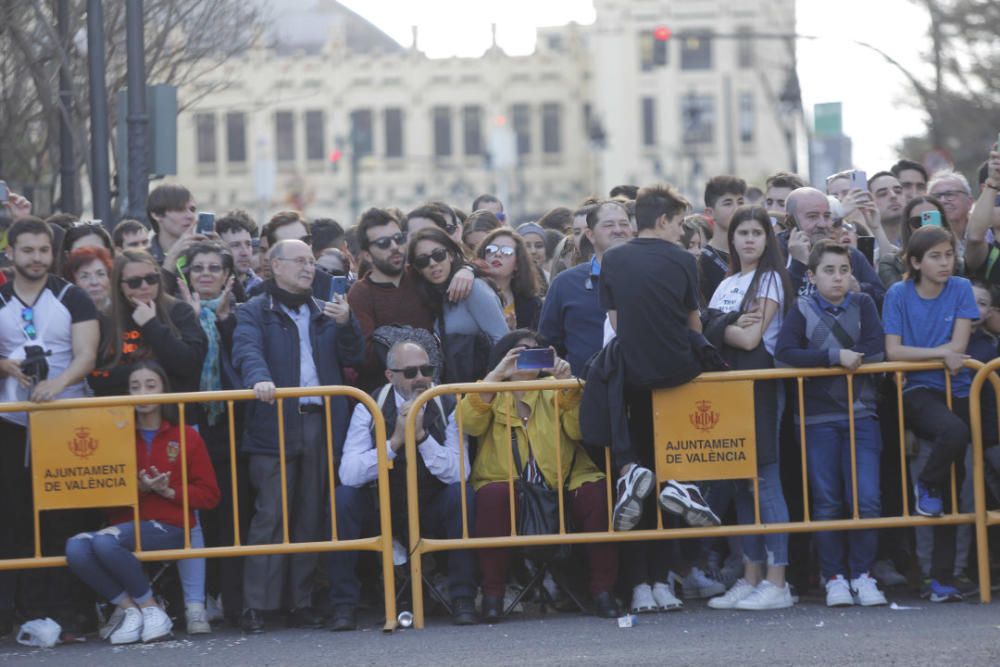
[35, 364]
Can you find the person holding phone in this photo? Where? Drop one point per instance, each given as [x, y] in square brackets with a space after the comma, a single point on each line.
[980, 253]
[921, 211]
[527, 421]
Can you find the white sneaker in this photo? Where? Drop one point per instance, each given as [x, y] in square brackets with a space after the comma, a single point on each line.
[886, 574]
[685, 500]
[113, 622]
[129, 631]
[633, 487]
[213, 609]
[197, 619]
[156, 624]
[698, 585]
[642, 600]
[664, 597]
[866, 592]
[838, 593]
[740, 590]
[767, 596]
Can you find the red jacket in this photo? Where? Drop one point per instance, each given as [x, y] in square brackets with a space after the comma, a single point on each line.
[203, 490]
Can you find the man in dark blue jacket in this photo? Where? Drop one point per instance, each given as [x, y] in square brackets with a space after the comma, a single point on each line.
[287, 338]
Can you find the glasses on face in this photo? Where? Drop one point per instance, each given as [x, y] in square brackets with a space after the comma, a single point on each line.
[410, 372]
[949, 194]
[28, 323]
[914, 221]
[503, 251]
[423, 261]
[136, 282]
[385, 242]
[301, 261]
[214, 269]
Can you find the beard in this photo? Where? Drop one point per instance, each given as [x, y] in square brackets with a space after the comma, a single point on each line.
[387, 267]
[33, 273]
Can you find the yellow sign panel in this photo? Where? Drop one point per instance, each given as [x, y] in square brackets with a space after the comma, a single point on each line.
[705, 430]
[84, 458]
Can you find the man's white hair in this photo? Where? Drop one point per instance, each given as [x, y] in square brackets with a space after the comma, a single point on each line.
[946, 175]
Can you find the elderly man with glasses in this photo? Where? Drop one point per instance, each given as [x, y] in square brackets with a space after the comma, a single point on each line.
[952, 189]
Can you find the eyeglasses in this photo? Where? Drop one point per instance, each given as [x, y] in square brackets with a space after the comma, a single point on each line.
[301, 261]
[136, 283]
[410, 372]
[28, 318]
[423, 261]
[207, 268]
[915, 221]
[384, 242]
[949, 194]
[504, 251]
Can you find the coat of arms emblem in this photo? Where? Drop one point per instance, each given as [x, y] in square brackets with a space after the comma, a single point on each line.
[83, 445]
[704, 418]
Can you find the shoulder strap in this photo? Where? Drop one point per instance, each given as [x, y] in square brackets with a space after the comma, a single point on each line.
[836, 328]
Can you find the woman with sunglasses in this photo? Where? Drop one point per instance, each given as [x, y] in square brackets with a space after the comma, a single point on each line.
[467, 329]
[147, 324]
[512, 271]
[891, 268]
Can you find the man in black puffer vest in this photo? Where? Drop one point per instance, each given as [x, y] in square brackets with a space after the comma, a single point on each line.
[409, 373]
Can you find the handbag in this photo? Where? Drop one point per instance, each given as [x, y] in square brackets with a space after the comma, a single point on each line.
[466, 356]
[538, 508]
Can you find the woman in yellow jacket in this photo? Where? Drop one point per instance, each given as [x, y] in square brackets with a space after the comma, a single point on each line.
[531, 417]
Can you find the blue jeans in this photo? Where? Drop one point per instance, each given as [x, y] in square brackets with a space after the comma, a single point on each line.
[773, 547]
[828, 454]
[192, 570]
[104, 560]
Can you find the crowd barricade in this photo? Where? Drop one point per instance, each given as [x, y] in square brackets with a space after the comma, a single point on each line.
[985, 517]
[66, 433]
[419, 545]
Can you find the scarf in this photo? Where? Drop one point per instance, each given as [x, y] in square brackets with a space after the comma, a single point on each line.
[211, 373]
[288, 299]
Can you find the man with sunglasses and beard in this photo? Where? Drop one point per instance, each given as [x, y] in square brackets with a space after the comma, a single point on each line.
[410, 373]
[48, 344]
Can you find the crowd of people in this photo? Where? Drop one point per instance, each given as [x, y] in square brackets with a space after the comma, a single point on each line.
[628, 294]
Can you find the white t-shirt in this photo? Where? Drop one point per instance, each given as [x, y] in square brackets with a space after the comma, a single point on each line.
[729, 295]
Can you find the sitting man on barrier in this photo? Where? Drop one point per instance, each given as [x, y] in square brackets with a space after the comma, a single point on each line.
[286, 337]
[438, 473]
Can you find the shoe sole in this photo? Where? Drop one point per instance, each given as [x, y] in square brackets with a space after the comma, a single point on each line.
[694, 516]
[628, 509]
[160, 637]
[840, 603]
[200, 631]
[124, 643]
[877, 603]
[769, 608]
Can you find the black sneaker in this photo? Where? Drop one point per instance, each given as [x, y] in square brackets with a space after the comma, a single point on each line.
[633, 487]
[252, 621]
[463, 611]
[344, 619]
[685, 500]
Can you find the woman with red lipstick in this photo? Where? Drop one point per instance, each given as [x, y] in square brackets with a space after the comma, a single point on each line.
[510, 268]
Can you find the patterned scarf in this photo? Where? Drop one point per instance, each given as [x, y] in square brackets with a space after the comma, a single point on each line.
[211, 373]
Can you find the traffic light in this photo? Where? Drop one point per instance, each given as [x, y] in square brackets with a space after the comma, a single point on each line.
[334, 158]
[661, 34]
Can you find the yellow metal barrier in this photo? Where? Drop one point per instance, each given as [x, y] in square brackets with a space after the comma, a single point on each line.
[984, 517]
[420, 545]
[381, 544]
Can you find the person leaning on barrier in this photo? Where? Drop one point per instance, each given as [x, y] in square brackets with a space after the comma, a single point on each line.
[526, 421]
[438, 478]
[286, 337]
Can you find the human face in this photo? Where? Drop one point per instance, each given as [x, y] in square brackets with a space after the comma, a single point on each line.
[695, 244]
[208, 274]
[240, 243]
[536, 249]
[472, 239]
[88, 241]
[93, 279]
[579, 227]
[846, 233]
[832, 277]
[749, 241]
[409, 356]
[499, 264]
[723, 210]
[143, 382]
[438, 271]
[331, 262]
[913, 182]
[260, 263]
[889, 197]
[136, 240]
[937, 264]
[982, 296]
[612, 228]
[923, 207]
[775, 198]
[493, 207]
[296, 231]
[173, 224]
[295, 269]
[388, 261]
[838, 187]
[144, 293]
[954, 198]
[813, 216]
[32, 256]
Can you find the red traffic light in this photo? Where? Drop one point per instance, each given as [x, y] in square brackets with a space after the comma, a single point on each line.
[662, 33]
[335, 155]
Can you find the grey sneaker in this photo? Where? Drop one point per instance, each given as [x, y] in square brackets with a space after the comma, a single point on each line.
[633, 487]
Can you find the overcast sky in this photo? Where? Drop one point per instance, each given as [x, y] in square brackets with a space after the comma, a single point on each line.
[877, 107]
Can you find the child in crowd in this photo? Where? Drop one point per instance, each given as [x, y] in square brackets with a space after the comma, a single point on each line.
[836, 327]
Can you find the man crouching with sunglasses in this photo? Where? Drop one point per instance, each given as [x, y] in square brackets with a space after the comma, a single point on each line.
[410, 373]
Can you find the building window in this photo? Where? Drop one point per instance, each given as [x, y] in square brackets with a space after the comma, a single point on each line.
[204, 124]
[646, 44]
[698, 115]
[361, 132]
[394, 132]
[649, 121]
[284, 136]
[472, 130]
[747, 119]
[744, 47]
[521, 121]
[236, 136]
[696, 50]
[551, 127]
[442, 131]
[315, 136]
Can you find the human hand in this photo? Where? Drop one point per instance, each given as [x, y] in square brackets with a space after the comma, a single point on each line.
[225, 302]
[799, 246]
[506, 367]
[18, 206]
[159, 483]
[750, 318]
[265, 391]
[461, 284]
[954, 361]
[851, 360]
[46, 390]
[562, 370]
[338, 310]
[12, 368]
[192, 298]
[143, 312]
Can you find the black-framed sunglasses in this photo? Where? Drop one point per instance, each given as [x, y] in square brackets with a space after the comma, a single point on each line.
[423, 261]
[384, 242]
[914, 221]
[28, 318]
[410, 372]
[503, 251]
[136, 283]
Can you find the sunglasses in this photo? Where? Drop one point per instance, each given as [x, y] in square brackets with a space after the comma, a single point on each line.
[423, 261]
[410, 372]
[214, 269]
[505, 251]
[28, 317]
[383, 243]
[136, 283]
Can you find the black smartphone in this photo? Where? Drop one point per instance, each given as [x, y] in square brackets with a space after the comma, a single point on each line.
[536, 359]
[206, 223]
[866, 244]
[339, 285]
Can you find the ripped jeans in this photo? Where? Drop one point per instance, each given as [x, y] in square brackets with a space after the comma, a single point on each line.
[104, 561]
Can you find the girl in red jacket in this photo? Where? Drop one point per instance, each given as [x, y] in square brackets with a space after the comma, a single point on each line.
[104, 560]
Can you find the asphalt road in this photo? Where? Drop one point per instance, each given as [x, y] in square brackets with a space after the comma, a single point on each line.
[809, 634]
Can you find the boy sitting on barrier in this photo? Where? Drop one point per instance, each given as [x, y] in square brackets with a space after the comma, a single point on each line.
[410, 373]
[837, 327]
